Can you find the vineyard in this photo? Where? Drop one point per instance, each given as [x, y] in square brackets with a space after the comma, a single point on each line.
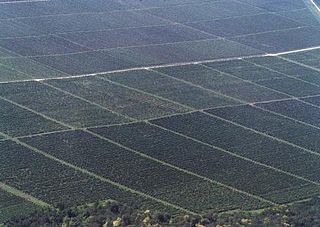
[183, 106]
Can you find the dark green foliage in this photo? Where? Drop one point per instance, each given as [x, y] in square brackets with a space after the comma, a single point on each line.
[112, 213]
[284, 40]
[139, 173]
[117, 98]
[246, 143]
[55, 183]
[272, 124]
[171, 89]
[43, 45]
[199, 158]
[245, 25]
[220, 82]
[207, 11]
[136, 36]
[11, 206]
[16, 121]
[58, 105]
[296, 110]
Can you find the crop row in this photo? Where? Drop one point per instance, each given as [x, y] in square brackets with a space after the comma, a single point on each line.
[55, 183]
[142, 174]
[34, 9]
[58, 105]
[16, 121]
[296, 110]
[285, 40]
[118, 98]
[231, 27]
[267, 78]
[311, 58]
[288, 68]
[225, 84]
[136, 36]
[11, 205]
[246, 143]
[269, 123]
[201, 159]
[171, 89]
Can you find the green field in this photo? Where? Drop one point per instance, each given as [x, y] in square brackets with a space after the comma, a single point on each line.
[180, 106]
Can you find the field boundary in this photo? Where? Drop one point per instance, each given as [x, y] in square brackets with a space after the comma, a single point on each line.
[23, 195]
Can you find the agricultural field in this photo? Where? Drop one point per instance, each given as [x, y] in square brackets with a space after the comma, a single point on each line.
[11, 205]
[181, 106]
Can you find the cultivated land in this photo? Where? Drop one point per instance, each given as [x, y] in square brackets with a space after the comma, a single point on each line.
[182, 106]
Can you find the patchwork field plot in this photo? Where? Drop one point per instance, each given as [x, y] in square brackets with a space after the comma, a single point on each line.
[250, 144]
[58, 105]
[27, 69]
[285, 40]
[136, 36]
[275, 6]
[17, 121]
[44, 45]
[169, 88]
[202, 159]
[226, 84]
[273, 124]
[296, 110]
[148, 176]
[245, 25]
[311, 58]
[54, 182]
[117, 98]
[181, 106]
[11, 205]
[204, 11]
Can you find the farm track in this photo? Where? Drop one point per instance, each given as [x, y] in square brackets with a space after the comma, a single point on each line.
[23, 195]
[72, 128]
[133, 120]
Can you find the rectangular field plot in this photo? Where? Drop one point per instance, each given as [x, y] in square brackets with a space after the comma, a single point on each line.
[183, 52]
[275, 5]
[10, 28]
[288, 68]
[170, 88]
[55, 183]
[245, 25]
[119, 99]
[156, 3]
[15, 121]
[8, 74]
[272, 124]
[199, 158]
[245, 143]
[58, 105]
[245, 70]
[296, 110]
[130, 57]
[206, 11]
[309, 58]
[91, 22]
[11, 206]
[303, 16]
[139, 173]
[29, 68]
[136, 36]
[5, 53]
[85, 63]
[43, 8]
[291, 86]
[222, 83]
[43, 45]
[286, 40]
